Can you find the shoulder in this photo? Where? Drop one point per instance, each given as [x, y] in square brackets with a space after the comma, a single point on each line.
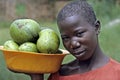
[115, 68]
[114, 64]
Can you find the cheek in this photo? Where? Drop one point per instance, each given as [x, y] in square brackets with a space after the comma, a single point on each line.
[66, 45]
[89, 40]
[91, 43]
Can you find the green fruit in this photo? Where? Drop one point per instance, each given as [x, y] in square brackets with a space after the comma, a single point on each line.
[28, 47]
[48, 41]
[10, 45]
[24, 30]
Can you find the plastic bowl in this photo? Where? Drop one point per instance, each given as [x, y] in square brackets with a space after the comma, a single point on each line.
[29, 62]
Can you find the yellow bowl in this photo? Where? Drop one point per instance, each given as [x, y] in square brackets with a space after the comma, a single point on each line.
[29, 62]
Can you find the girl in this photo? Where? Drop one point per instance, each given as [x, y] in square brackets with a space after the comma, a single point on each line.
[79, 31]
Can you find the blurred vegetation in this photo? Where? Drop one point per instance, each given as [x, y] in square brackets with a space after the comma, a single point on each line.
[106, 11]
[20, 9]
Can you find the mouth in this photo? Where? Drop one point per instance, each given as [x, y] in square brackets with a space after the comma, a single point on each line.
[79, 52]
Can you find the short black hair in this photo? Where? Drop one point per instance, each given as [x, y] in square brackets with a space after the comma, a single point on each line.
[78, 7]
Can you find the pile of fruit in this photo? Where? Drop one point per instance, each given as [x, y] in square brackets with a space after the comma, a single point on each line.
[27, 35]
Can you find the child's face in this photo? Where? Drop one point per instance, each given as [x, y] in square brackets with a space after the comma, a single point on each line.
[79, 37]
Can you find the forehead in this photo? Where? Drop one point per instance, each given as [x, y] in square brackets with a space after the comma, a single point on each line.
[73, 22]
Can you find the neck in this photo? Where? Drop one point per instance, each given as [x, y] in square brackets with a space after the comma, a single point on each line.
[97, 60]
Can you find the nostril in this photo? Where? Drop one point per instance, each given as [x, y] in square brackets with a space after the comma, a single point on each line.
[75, 45]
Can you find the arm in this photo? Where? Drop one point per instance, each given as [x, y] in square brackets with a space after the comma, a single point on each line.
[37, 76]
[33, 76]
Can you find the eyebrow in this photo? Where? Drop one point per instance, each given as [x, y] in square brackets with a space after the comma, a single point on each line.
[78, 29]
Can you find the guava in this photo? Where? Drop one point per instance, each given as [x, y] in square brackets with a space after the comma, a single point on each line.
[24, 30]
[28, 47]
[48, 41]
[11, 45]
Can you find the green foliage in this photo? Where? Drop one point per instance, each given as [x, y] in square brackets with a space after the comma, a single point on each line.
[109, 40]
[20, 9]
[4, 24]
[106, 10]
[4, 35]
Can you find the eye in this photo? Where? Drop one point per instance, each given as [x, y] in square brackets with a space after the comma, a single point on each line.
[65, 38]
[80, 34]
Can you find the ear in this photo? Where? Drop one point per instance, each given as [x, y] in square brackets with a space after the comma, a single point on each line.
[97, 26]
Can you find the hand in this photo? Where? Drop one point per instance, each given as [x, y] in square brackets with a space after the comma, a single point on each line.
[32, 75]
[36, 76]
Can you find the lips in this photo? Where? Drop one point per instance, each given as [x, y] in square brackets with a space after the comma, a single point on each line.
[79, 52]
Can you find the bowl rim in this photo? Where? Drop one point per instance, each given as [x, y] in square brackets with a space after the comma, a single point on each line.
[65, 52]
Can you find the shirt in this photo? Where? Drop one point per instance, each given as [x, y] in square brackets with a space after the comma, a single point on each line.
[110, 71]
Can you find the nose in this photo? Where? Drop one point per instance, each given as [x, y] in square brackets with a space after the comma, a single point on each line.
[74, 44]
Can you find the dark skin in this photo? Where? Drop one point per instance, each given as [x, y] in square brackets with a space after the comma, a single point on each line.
[81, 39]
